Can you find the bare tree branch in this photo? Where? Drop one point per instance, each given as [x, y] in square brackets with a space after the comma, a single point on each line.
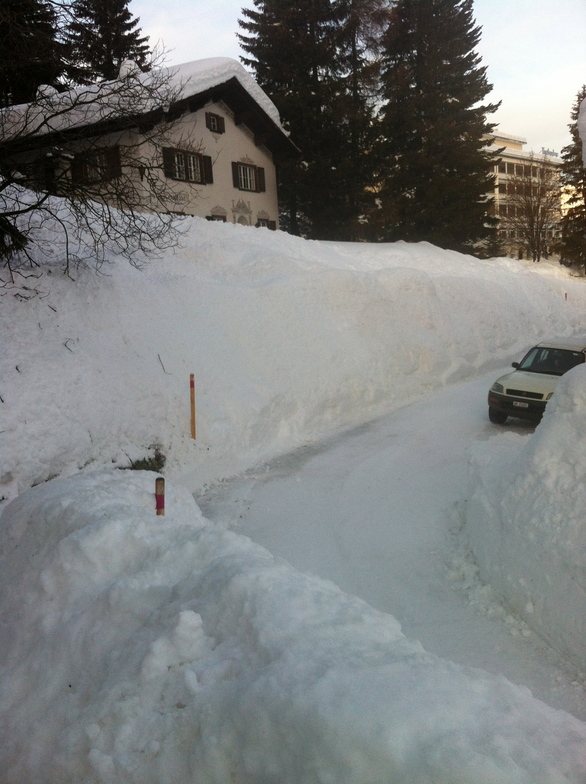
[83, 172]
[530, 214]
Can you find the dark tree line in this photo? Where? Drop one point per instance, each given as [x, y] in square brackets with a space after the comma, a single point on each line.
[61, 43]
[573, 173]
[52, 49]
[386, 99]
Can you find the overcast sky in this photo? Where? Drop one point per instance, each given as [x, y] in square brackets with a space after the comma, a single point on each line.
[535, 51]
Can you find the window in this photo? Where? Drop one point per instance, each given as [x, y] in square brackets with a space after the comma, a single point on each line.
[40, 174]
[502, 167]
[212, 217]
[96, 166]
[510, 168]
[247, 177]
[187, 166]
[215, 123]
[268, 224]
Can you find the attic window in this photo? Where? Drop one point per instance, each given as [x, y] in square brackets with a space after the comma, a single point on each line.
[246, 177]
[96, 166]
[187, 166]
[215, 123]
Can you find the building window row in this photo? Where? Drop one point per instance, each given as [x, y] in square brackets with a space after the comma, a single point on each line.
[195, 167]
[517, 169]
[261, 222]
[182, 165]
[104, 164]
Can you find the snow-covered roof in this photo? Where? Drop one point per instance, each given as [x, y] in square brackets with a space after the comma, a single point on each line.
[509, 137]
[524, 155]
[87, 105]
[200, 75]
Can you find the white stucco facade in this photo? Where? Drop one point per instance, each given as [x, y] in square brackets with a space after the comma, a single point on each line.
[221, 199]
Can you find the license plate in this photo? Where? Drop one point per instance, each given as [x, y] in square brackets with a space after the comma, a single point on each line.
[519, 404]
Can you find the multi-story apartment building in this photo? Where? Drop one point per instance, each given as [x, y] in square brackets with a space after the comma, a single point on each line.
[516, 164]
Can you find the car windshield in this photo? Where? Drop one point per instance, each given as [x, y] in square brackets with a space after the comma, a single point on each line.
[554, 361]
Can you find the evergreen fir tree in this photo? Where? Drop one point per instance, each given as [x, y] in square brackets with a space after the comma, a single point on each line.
[435, 174]
[311, 59]
[291, 53]
[573, 243]
[101, 35]
[31, 54]
[360, 26]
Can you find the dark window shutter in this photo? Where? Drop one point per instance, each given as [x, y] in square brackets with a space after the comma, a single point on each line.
[273, 225]
[114, 163]
[260, 180]
[168, 162]
[78, 170]
[50, 176]
[215, 123]
[208, 175]
[235, 179]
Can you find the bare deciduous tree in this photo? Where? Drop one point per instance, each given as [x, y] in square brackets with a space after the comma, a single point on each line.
[530, 212]
[84, 169]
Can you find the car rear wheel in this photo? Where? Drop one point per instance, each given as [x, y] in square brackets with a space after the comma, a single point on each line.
[496, 417]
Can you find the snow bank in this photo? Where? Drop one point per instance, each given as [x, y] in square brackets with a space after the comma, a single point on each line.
[145, 649]
[527, 522]
[288, 339]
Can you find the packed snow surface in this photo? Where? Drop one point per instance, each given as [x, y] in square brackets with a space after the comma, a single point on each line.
[140, 648]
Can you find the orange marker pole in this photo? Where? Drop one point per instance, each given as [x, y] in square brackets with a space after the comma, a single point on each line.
[192, 391]
[160, 495]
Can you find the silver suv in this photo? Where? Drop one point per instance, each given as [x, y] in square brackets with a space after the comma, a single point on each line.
[525, 392]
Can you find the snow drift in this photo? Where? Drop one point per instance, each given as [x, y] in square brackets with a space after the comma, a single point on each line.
[288, 340]
[141, 650]
[147, 649]
[526, 519]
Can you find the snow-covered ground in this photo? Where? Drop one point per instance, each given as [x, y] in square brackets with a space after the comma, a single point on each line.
[383, 511]
[137, 648]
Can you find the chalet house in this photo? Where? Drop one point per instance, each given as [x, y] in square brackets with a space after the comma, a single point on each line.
[217, 144]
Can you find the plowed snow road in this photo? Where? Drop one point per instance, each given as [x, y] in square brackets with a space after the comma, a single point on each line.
[376, 510]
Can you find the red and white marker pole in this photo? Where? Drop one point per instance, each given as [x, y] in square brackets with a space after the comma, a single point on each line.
[160, 495]
[192, 395]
